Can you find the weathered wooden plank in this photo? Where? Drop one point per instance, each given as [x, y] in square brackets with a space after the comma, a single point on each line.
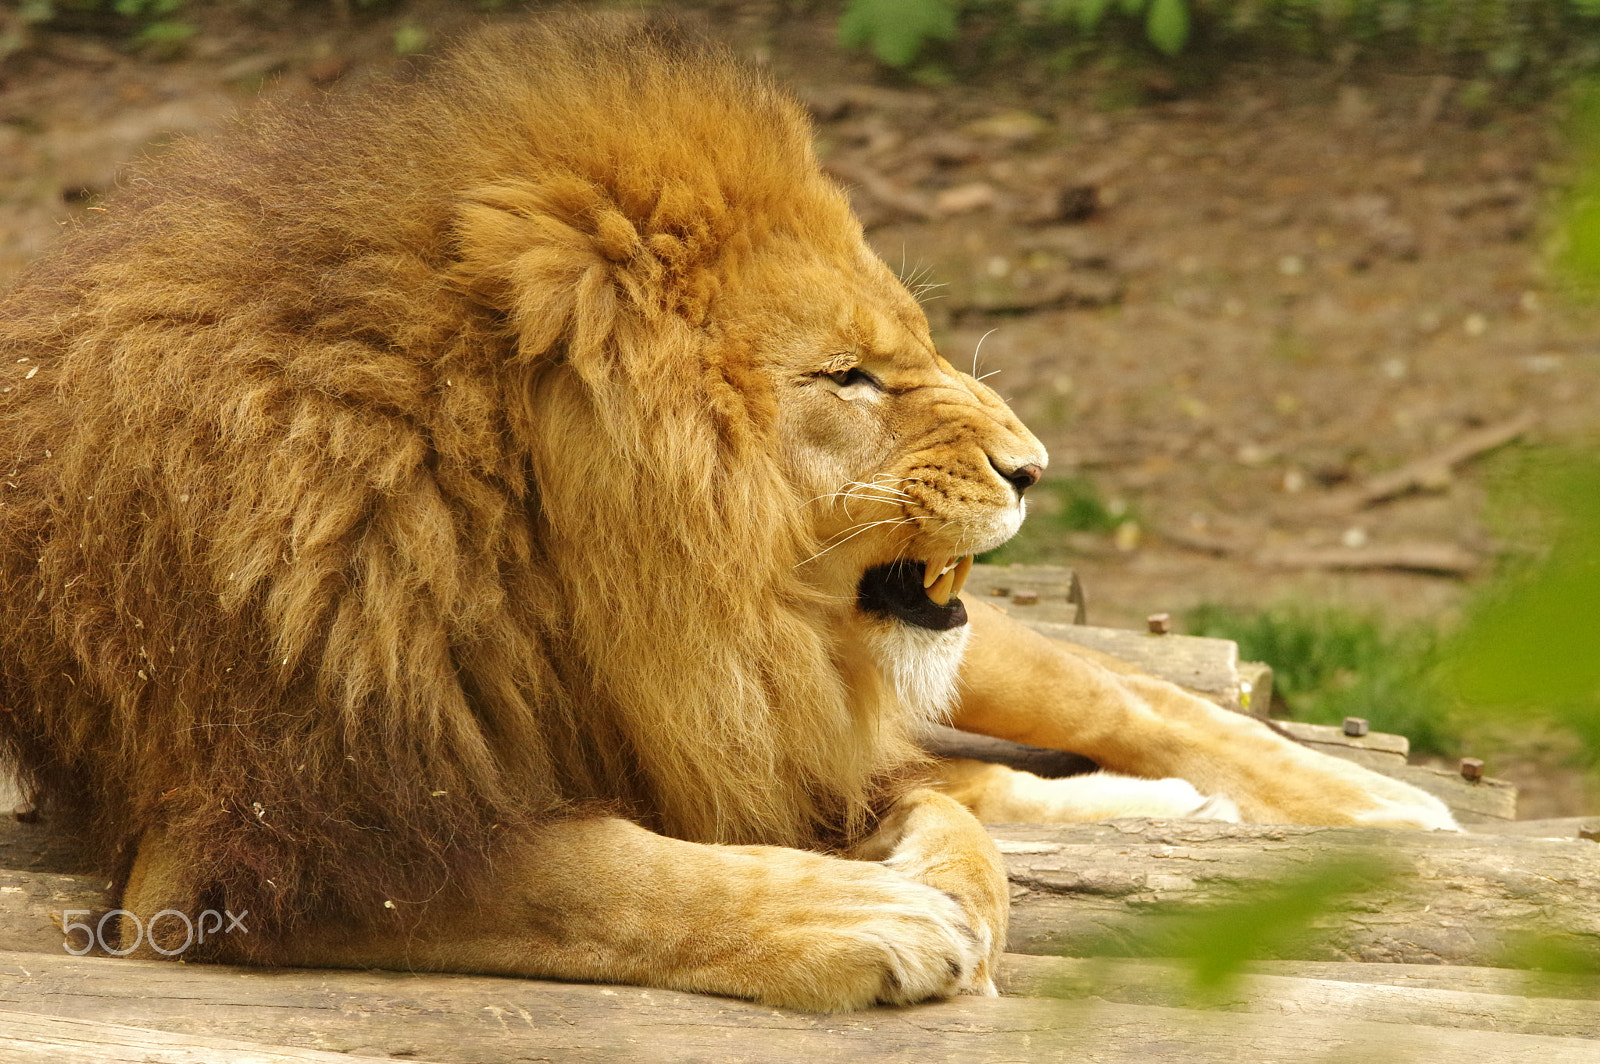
[1325, 735]
[461, 1018]
[30, 1039]
[1473, 802]
[1201, 664]
[1031, 592]
[1084, 889]
[29, 902]
[1566, 827]
[1143, 982]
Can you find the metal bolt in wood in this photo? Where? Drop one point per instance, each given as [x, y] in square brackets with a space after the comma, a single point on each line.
[1355, 727]
[1471, 769]
[1026, 598]
[1160, 623]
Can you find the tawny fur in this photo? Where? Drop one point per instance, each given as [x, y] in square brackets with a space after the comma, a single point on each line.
[378, 481]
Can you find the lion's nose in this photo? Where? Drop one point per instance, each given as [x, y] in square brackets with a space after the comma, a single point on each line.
[1022, 478]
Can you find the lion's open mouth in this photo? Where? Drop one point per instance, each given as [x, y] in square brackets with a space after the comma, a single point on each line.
[919, 593]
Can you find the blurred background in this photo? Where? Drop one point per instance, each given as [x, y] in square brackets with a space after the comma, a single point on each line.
[1297, 292]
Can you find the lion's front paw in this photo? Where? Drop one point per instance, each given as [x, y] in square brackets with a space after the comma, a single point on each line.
[866, 936]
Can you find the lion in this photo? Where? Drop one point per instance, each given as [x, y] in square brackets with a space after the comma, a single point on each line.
[509, 522]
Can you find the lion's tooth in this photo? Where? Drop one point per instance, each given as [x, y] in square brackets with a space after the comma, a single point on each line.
[963, 570]
[932, 569]
[940, 591]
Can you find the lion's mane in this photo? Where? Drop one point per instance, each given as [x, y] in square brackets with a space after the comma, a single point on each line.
[378, 479]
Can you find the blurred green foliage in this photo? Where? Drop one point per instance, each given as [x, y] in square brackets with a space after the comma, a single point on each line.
[896, 30]
[1494, 40]
[1289, 907]
[1329, 664]
[1219, 941]
[1529, 644]
[1577, 232]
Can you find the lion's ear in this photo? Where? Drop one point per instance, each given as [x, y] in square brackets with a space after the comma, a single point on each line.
[548, 257]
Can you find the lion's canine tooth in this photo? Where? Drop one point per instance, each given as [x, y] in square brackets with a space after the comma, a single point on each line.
[932, 569]
[963, 570]
[940, 591]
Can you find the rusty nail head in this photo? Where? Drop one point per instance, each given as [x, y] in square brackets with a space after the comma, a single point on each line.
[1025, 598]
[1471, 768]
[26, 813]
[999, 592]
[1355, 727]
[1160, 623]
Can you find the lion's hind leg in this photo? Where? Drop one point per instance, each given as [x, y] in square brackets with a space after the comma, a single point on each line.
[999, 795]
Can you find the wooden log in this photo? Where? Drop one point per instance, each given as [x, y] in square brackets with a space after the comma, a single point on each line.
[463, 1018]
[1142, 982]
[1114, 888]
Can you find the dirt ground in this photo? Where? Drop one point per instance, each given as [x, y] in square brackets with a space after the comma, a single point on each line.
[1230, 312]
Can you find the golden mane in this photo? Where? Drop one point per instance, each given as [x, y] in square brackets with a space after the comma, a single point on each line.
[379, 480]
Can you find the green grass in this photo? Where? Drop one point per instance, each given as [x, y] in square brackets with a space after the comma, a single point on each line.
[1329, 664]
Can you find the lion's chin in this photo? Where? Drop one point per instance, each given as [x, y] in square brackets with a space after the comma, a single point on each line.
[920, 594]
[921, 666]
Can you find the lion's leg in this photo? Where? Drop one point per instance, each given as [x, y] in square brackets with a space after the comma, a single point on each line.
[604, 900]
[1022, 686]
[933, 839]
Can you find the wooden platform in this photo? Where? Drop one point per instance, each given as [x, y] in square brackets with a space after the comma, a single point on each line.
[1405, 972]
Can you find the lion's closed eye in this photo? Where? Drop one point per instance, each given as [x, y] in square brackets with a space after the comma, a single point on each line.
[854, 383]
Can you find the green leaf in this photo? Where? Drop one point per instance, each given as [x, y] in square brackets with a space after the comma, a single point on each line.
[1168, 25]
[409, 39]
[895, 30]
[1221, 942]
[1090, 12]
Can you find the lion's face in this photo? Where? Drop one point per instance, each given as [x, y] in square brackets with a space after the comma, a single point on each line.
[909, 465]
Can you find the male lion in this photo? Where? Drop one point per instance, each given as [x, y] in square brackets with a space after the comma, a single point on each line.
[510, 522]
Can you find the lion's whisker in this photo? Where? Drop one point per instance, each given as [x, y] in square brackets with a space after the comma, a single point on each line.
[857, 532]
[977, 349]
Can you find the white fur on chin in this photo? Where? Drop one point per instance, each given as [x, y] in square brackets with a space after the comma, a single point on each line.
[920, 665]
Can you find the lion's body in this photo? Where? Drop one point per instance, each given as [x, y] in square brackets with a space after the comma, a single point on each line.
[302, 550]
[399, 491]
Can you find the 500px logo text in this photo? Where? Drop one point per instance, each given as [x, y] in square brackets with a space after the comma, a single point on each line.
[195, 931]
